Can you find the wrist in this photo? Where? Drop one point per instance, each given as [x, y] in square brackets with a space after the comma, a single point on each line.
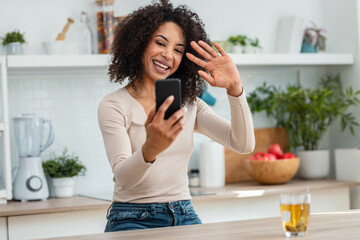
[236, 90]
[148, 155]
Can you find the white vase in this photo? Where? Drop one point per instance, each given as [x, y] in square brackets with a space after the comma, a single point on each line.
[314, 164]
[14, 48]
[63, 187]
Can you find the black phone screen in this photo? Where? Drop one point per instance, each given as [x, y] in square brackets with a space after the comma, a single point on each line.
[165, 88]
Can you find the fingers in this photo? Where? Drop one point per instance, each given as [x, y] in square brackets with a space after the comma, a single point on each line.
[151, 116]
[177, 128]
[201, 51]
[196, 60]
[209, 49]
[164, 106]
[220, 49]
[207, 77]
[175, 118]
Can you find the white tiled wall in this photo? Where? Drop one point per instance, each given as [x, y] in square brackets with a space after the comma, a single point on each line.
[71, 102]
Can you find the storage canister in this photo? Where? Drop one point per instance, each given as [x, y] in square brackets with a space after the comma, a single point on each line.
[105, 24]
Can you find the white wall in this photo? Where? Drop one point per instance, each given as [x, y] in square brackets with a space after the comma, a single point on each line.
[70, 101]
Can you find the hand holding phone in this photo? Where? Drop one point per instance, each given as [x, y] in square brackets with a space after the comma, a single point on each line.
[165, 88]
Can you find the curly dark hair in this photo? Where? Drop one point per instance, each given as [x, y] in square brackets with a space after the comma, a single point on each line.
[133, 34]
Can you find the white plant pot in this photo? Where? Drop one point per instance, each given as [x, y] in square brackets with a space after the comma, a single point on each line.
[314, 164]
[63, 187]
[14, 48]
[237, 49]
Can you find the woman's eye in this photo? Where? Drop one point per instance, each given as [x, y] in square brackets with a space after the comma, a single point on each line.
[178, 51]
[160, 44]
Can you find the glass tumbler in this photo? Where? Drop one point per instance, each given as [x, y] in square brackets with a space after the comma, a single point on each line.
[295, 212]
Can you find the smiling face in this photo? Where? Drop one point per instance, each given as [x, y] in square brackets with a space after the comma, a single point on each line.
[164, 52]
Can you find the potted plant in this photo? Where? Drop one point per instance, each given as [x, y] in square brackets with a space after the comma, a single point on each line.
[313, 40]
[239, 43]
[61, 169]
[254, 45]
[306, 114]
[13, 42]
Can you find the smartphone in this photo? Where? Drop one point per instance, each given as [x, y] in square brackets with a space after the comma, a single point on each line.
[165, 88]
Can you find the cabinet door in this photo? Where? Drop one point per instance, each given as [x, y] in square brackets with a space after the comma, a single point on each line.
[3, 228]
[56, 224]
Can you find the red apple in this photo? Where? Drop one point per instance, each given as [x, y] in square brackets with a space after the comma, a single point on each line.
[288, 155]
[272, 157]
[276, 150]
[259, 154]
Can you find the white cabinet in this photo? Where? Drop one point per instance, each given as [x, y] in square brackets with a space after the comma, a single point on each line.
[3, 228]
[56, 224]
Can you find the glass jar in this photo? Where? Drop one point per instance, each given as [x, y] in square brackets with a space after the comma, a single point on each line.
[105, 25]
[194, 178]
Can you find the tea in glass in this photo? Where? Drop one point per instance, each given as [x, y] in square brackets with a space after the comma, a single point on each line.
[295, 211]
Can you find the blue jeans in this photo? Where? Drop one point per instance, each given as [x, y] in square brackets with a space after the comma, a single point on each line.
[132, 216]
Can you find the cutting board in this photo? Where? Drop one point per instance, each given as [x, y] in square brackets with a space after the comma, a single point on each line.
[235, 170]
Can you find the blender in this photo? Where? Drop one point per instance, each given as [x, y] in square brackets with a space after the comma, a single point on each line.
[30, 182]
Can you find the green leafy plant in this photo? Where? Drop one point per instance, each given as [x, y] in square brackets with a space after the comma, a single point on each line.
[241, 40]
[255, 43]
[64, 165]
[14, 36]
[307, 113]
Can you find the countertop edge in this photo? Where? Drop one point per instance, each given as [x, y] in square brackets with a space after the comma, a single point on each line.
[253, 189]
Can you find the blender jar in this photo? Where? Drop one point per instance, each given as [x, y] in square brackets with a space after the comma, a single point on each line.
[105, 24]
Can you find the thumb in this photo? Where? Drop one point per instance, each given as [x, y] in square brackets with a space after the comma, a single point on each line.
[150, 117]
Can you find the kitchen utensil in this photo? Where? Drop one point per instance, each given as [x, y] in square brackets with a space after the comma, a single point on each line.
[30, 182]
[61, 36]
[53, 48]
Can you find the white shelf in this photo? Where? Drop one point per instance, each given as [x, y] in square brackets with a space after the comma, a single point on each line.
[102, 60]
[51, 61]
[305, 59]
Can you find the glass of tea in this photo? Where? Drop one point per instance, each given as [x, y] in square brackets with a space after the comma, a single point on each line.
[295, 211]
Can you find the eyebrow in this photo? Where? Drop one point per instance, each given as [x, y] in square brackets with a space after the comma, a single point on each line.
[179, 44]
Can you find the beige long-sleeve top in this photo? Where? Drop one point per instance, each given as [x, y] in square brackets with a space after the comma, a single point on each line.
[121, 120]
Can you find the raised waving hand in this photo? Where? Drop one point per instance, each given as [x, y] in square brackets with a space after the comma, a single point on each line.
[222, 71]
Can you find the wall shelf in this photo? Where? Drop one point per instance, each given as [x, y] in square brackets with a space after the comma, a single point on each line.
[305, 59]
[102, 60]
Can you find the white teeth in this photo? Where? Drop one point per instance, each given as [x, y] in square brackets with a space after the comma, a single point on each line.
[161, 65]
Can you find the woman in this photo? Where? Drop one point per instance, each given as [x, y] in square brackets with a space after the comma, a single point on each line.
[149, 155]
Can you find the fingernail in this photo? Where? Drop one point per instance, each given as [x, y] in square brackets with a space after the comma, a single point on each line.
[171, 97]
[185, 109]
[182, 121]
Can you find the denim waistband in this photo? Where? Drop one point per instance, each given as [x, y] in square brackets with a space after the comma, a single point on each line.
[180, 205]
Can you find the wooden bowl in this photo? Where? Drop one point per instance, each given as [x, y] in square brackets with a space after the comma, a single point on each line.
[272, 172]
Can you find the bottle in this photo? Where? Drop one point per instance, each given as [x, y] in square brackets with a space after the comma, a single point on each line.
[105, 25]
[86, 37]
[194, 178]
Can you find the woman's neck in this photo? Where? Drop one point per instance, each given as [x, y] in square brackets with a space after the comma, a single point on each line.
[145, 89]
